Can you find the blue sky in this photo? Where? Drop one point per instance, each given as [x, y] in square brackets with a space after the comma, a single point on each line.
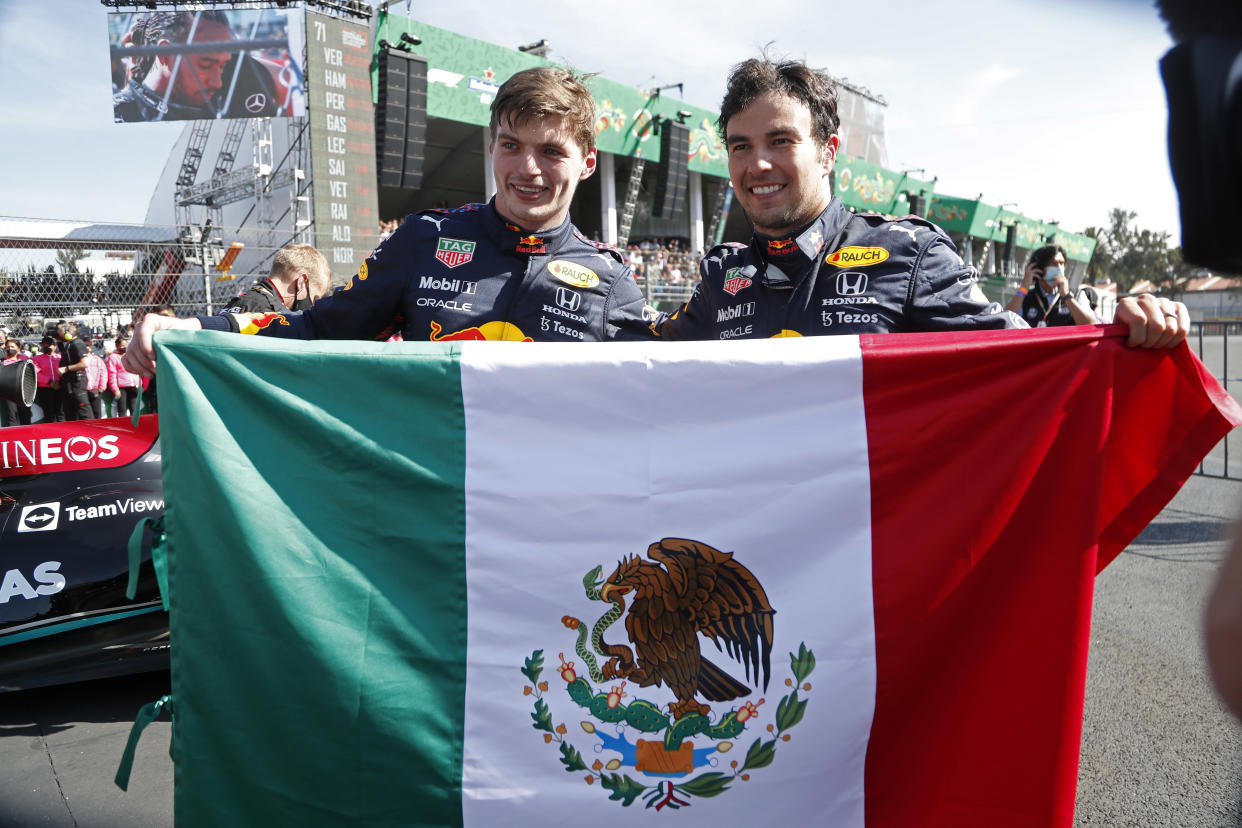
[1055, 107]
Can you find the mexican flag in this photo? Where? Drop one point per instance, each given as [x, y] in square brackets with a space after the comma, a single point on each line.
[836, 581]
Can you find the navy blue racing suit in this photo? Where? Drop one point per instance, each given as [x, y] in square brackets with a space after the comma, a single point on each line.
[1039, 313]
[842, 274]
[468, 273]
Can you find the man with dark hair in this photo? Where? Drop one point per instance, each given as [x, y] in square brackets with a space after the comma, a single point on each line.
[75, 402]
[193, 85]
[813, 268]
[298, 278]
[515, 268]
[1044, 300]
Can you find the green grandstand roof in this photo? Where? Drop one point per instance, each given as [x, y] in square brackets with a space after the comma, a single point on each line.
[463, 75]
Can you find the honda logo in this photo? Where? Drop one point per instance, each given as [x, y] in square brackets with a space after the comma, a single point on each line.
[851, 283]
[567, 299]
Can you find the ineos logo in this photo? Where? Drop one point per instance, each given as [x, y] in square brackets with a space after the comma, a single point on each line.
[256, 102]
[851, 283]
[568, 299]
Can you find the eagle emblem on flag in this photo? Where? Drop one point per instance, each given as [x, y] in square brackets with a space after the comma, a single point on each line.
[684, 589]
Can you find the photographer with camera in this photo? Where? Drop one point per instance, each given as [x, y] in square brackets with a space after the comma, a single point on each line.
[1044, 300]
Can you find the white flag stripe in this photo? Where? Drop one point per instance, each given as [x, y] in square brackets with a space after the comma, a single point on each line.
[762, 454]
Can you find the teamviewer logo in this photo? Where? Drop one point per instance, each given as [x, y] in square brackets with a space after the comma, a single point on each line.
[39, 517]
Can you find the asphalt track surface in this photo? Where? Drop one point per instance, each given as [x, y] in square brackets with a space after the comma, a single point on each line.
[1158, 749]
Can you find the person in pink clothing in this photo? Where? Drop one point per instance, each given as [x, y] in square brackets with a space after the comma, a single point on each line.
[47, 397]
[122, 383]
[96, 383]
[14, 412]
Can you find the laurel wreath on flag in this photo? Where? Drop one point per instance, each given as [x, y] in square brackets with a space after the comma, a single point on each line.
[624, 788]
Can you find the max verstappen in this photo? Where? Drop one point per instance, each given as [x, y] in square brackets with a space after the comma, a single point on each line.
[515, 268]
[813, 268]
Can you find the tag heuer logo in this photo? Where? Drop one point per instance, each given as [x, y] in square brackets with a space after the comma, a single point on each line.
[454, 252]
[734, 281]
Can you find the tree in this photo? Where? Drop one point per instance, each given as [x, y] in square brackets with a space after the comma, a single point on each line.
[1126, 254]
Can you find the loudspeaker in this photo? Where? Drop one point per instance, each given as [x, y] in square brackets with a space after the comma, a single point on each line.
[401, 119]
[18, 382]
[672, 175]
[1011, 242]
[918, 206]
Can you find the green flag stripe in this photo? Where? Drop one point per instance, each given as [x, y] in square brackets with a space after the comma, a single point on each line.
[392, 467]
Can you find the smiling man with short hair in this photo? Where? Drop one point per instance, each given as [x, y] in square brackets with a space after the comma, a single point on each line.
[813, 268]
[515, 268]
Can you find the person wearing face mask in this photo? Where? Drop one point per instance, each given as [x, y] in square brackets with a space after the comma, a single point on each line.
[14, 412]
[1044, 300]
[122, 383]
[73, 373]
[47, 395]
[299, 277]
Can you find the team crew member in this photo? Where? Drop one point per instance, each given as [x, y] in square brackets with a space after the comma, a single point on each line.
[47, 373]
[299, 277]
[72, 370]
[515, 268]
[123, 384]
[1044, 300]
[14, 412]
[96, 383]
[812, 267]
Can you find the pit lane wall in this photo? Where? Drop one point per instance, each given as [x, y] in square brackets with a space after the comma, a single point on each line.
[70, 496]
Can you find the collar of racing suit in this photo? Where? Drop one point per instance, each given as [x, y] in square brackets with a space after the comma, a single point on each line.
[788, 258]
[511, 238]
[154, 102]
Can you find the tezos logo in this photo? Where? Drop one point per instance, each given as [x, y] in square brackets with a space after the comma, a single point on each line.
[39, 517]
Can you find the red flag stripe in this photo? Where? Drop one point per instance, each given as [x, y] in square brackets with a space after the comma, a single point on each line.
[1039, 461]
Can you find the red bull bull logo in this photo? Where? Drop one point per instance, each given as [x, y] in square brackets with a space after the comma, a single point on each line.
[781, 247]
[255, 322]
[531, 244]
[487, 332]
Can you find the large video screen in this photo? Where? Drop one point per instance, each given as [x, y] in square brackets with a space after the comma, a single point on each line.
[191, 65]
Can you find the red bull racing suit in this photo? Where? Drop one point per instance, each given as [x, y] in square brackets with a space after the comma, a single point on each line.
[843, 274]
[468, 273]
